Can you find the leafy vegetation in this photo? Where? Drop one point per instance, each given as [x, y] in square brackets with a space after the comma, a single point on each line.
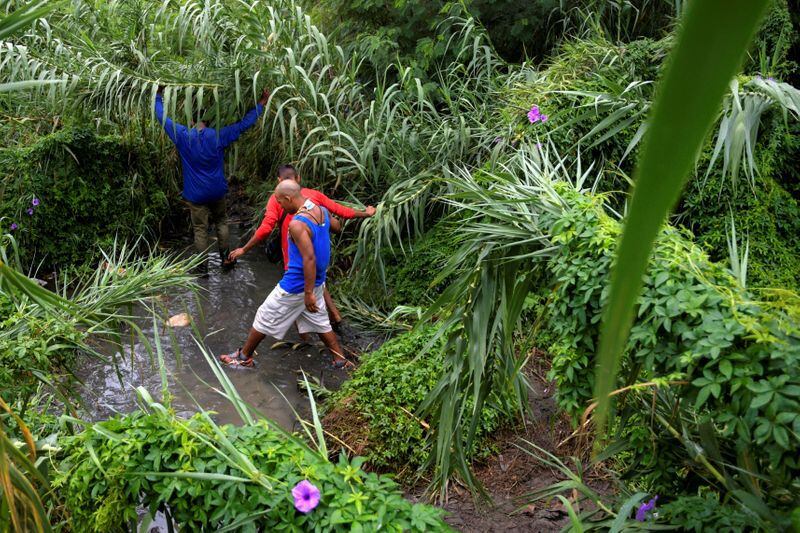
[694, 323]
[186, 468]
[110, 186]
[501, 205]
[385, 393]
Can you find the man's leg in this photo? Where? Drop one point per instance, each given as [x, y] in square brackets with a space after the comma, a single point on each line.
[332, 343]
[319, 323]
[274, 317]
[199, 214]
[253, 340]
[219, 216]
[333, 311]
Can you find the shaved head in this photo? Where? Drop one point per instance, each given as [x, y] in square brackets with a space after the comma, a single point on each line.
[289, 195]
[288, 188]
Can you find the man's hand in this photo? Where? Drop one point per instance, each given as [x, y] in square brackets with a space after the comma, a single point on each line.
[264, 96]
[236, 254]
[370, 211]
[311, 302]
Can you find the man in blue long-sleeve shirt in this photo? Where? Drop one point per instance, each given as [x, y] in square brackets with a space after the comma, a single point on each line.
[202, 152]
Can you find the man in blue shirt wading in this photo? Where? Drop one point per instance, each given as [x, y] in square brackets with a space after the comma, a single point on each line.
[202, 152]
[299, 295]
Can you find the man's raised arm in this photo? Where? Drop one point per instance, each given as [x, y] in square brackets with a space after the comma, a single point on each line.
[173, 129]
[229, 134]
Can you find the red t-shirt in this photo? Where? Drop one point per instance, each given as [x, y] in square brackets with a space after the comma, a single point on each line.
[274, 212]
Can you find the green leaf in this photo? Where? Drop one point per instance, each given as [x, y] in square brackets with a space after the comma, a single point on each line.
[710, 47]
[625, 512]
[781, 436]
[726, 368]
[761, 399]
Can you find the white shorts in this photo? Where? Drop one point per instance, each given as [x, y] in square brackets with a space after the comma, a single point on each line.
[281, 309]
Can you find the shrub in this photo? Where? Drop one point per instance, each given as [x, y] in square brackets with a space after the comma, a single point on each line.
[706, 513]
[91, 188]
[410, 276]
[740, 356]
[387, 391]
[158, 461]
[768, 218]
[33, 345]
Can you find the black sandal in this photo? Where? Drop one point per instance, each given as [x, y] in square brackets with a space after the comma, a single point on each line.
[237, 358]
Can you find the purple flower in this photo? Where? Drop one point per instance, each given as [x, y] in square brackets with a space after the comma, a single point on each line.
[14, 226]
[534, 115]
[35, 201]
[543, 118]
[771, 79]
[645, 508]
[306, 496]
[30, 211]
[539, 146]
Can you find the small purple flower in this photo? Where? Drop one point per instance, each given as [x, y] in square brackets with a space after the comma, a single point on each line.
[534, 115]
[644, 509]
[306, 496]
[14, 226]
[771, 79]
[30, 211]
[539, 146]
[35, 202]
[543, 118]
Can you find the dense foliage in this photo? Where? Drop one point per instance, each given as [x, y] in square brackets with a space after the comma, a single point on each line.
[88, 189]
[161, 462]
[416, 33]
[386, 392]
[694, 323]
[33, 348]
[411, 275]
[418, 107]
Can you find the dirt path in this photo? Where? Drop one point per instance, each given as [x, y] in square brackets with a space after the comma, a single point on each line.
[511, 475]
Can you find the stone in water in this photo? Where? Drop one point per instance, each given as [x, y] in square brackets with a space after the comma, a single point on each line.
[181, 320]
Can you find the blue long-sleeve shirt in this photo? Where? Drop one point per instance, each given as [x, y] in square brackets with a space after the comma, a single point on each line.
[202, 153]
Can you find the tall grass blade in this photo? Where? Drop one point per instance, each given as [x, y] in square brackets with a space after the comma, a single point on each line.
[710, 47]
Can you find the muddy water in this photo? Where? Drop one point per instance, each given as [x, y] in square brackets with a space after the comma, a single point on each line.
[223, 313]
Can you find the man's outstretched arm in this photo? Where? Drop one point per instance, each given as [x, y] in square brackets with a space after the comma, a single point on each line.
[340, 210]
[271, 216]
[229, 134]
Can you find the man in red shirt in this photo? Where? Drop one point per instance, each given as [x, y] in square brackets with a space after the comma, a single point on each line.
[273, 214]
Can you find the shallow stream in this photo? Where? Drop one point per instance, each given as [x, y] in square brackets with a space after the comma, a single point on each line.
[223, 314]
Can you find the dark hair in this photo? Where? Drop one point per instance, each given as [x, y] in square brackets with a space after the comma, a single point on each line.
[283, 169]
[205, 115]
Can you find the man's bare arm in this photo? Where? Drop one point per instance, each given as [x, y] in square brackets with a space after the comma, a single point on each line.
[336, 224]
[302, 239]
